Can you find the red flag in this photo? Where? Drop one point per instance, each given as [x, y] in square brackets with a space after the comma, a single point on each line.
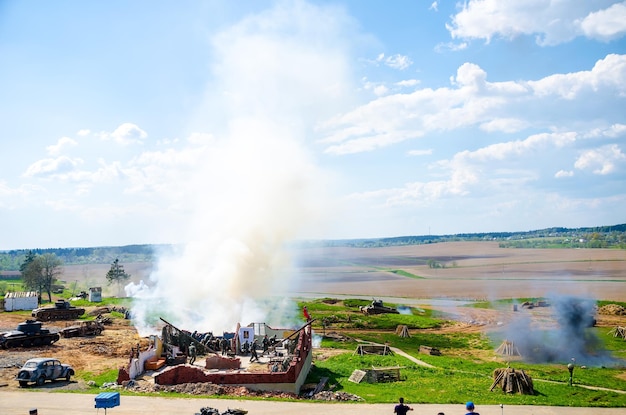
[305, 312]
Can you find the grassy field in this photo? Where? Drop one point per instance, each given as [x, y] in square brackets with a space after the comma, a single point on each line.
[465, 369]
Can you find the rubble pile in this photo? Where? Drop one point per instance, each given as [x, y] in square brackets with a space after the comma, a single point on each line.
[336, 396]
[208, 389]
[205, 388]
[612, 310]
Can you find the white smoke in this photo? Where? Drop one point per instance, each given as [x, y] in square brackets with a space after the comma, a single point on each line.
[256, 188]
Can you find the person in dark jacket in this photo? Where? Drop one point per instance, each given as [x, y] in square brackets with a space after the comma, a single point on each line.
[401, 408]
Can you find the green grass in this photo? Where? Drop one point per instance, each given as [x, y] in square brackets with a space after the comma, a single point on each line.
[346, 315]
[465, 369]
[456, 380]
[99, 378]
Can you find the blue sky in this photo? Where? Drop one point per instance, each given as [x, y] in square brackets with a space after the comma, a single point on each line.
[160, 122]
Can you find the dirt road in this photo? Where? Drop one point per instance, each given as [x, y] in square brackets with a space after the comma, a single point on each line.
[16, 403]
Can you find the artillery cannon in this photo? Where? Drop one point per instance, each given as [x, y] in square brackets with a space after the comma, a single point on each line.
[62, 310]
[27, 334]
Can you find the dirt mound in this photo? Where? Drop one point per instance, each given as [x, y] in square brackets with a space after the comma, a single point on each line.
[612, 310]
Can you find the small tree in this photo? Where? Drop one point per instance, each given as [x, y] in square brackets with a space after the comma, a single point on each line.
[31, 273]
[39, 272]
[117, 274]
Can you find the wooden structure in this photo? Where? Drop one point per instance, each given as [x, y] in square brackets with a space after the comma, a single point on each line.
[383, 374]
[619, 332]
[513, 381]
[508, 348]
[379, 349]
[357, 376]
[403, 331]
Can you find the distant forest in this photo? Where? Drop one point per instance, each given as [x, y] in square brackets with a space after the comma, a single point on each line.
[596, 237]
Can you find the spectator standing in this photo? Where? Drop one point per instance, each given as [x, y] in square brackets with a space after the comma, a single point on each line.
[401, 408]
[470, 407]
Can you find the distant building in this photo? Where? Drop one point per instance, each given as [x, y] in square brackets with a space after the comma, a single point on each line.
[14, 301]
[95, 294]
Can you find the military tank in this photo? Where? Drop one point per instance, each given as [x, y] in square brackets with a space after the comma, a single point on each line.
[27, 334]
[62, 310]
[377, 307]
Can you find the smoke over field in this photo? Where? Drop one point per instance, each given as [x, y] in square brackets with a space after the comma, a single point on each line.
[570, 338]
[251, 185]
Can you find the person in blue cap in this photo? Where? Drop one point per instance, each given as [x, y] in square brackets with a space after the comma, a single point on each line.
[470, 407]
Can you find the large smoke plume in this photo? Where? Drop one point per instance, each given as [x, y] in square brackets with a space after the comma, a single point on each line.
[569, 337]
[254, 187]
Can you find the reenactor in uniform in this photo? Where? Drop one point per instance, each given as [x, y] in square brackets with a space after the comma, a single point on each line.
[224, 346]
[254, 356]
[266, 344]
[192, 353]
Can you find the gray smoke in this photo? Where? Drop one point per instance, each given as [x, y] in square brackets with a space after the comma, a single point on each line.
[569, 337]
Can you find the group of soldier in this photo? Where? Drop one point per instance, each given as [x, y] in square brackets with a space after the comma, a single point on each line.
[266, 343]
[214, 344]
[223, 345]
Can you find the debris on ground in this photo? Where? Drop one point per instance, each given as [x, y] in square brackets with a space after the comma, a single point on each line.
[612, 310]
[205, 388]
[336, 396]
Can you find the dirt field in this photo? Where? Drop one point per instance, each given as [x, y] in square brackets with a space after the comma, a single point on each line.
[472, 271]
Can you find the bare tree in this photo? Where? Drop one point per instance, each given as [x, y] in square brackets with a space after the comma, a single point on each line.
[51, 268]
[40, 272]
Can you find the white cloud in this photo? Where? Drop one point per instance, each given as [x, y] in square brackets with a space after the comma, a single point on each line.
[381, 90]
[608, 73]
[473, 101]
[64, 142]
[497, 168]
[396, 61]
[451, 46]
[52, 166]
[408, 83]
[606, 24]
[200, 138]
[604, 160]
[434, 6]
[563, 173]
[83, 132]
[126, 134]
[420, 152]
[552, 22]
[506, 125]
[616, 130]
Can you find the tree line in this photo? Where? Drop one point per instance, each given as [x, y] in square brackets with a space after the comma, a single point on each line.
[41, 272]
[557, 237]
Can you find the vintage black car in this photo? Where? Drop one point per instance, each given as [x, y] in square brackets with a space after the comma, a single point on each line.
[41, 369]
